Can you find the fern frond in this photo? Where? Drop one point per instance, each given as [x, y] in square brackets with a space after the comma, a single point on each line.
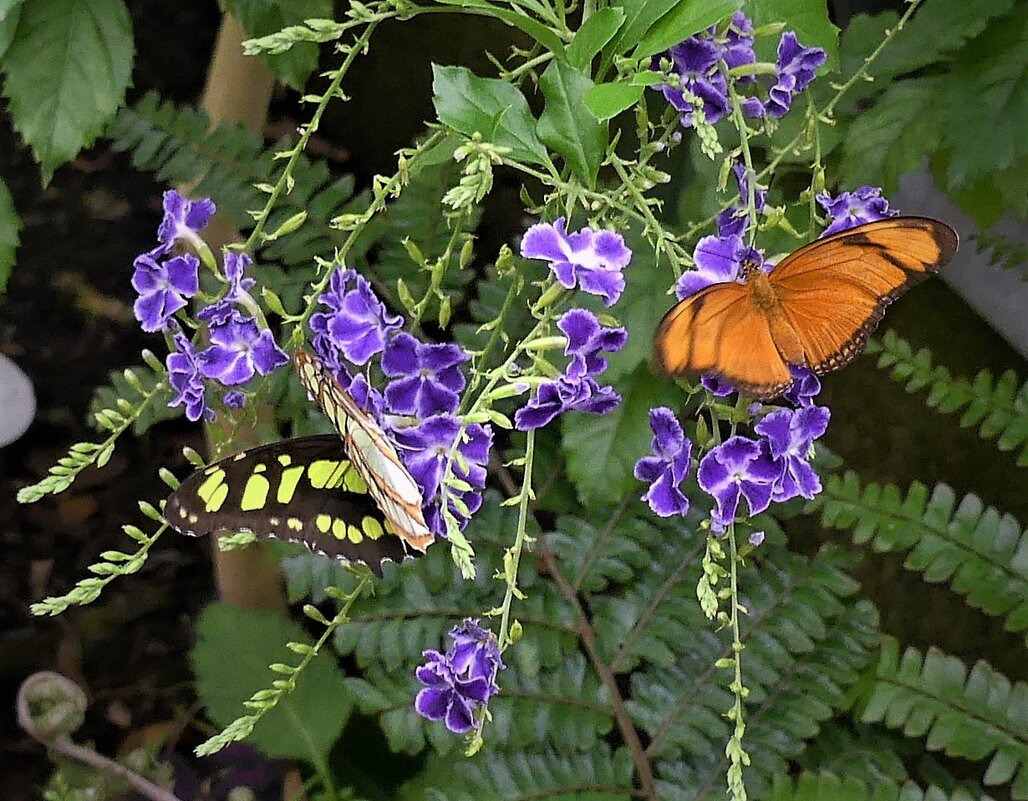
[977, 715]
[866, 753]
[829, 787]
[982, 553]
[999, 408]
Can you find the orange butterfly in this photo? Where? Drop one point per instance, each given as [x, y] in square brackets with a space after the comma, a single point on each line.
[815, 309]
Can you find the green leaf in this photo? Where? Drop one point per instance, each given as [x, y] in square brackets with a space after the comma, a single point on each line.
[539, 32]
[566, 124]
[230, 660]
[682, 21]
[639, 16]
[66, 74]
[809, 20]
[264, 17]
[494, 108]
[607, 100]
[10, 13]
[988, 90]
[890, 139]
[602, 449]
[10, 225]
[593, 35]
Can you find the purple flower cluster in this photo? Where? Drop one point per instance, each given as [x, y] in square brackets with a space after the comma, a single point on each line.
[425, 382]
[701, 63]
[850, 209]
[461, 681]
[774, 467]
[576, 388]
[591, 260]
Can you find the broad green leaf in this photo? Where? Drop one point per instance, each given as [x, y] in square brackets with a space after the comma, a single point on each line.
[682, 21]
[66, 74]
[230, 661]
[10, 13]
[593, 35]
[891, 138]
[543, 35]
[263, 17]
[494, 108]
[607, 100]
[639, 16]
[10, 224]
[989, 94]
[566, 125]
[809, 20]
[602, 449]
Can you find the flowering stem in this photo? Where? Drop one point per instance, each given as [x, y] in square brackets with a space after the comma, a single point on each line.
[483, 357]
[744, 142]
[737, 756]
[512, 558]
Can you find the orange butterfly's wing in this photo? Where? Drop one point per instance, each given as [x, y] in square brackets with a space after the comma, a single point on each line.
[720, 331]
[834, 291]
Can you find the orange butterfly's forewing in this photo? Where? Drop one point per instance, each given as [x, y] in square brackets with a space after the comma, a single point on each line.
[816, 308]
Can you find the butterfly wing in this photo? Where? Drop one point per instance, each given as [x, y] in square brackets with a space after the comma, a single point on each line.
[834, 291]
[720, 331]
[300, 490]
[373, 455]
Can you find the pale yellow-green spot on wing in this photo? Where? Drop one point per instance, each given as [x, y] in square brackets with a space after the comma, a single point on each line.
[285, 459]
[323, 522]
[339, 529]
[294, 524]
[354, 534]
[320, 472]
[338, 477]
[372, 527]
[255, 493]
[287, 485]
[355, 482]
[260, 467]
[213, 491]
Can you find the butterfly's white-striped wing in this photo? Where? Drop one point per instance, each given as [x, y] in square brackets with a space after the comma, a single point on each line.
[372, 453]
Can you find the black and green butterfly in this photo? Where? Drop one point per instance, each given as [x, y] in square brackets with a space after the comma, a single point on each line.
[357, 502]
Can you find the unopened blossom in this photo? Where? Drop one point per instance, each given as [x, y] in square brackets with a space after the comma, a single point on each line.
[733, 220]
[695, 61]
[716, 386]
[667, 468]
[234, 399]
[850, 209]
[586, 339]
[427, 378]
[795, 68]
[163, 287]
[186, 379]
[239, 286]
[591, 260]
[238, 350]
[564, 395]
[426, 450]
[718, 260]
[789, 435]
[183, 218]
[738, 468]
[357, 324]
[461, 681]
[804, 388]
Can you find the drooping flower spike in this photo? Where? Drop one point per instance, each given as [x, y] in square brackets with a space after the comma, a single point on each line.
[667, 468]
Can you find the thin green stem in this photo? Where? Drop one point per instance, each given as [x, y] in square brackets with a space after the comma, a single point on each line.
[736, 754]
[512, 559]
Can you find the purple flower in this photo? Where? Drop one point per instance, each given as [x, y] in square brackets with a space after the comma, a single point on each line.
[695, 60]
[426, 452]
[563, 395]
[234, 399]
[236, 263]
[789, 436]
[591, 259]
[850, 209]
[357, 324]
[718, 260]
[756, 538]
[183, 218]
[428, 376]
[805, 387]
[716, 386]
[186, 378]
[738, 47]
[795, 68]
[739, 467]
[163, 287]
[458, 683]
[732, 221]
[668, 467]
[238, 350]
[586, 338]
[366, 396]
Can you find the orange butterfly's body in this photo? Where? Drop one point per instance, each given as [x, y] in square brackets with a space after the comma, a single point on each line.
[815, 309]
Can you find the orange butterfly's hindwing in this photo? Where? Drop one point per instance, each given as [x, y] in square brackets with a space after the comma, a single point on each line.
[815, 309]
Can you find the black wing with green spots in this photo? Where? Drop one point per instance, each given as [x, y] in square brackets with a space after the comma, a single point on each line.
[302, 490]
